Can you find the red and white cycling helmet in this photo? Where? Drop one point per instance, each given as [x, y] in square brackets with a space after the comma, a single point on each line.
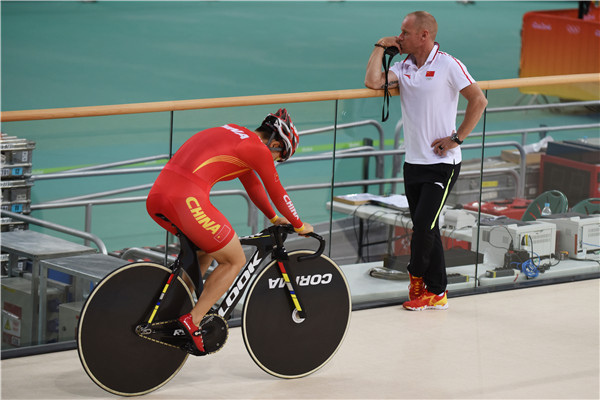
[281, 125]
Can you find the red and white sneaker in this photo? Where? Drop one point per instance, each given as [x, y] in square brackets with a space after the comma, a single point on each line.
[416, 287]
[426, 301]
[194, 332]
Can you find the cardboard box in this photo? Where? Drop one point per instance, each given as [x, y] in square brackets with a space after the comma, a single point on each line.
[513, 156]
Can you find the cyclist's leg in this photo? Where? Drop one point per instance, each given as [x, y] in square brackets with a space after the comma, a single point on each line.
[230, 260]
[204, 261]
[187, 206]
[208, 228]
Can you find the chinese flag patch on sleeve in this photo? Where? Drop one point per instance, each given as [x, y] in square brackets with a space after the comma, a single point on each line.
[429, 74]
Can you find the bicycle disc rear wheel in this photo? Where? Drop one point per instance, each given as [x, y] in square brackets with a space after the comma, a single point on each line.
[277, 340]
[112, 354]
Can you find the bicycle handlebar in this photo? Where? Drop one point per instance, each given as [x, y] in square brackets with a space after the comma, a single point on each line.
[319, 250]
[285, 229]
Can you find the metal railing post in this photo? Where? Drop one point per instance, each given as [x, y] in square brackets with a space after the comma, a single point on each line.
[88, 220]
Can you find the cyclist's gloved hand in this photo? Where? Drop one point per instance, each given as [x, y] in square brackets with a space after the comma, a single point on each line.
[280, 221]
[307, 228]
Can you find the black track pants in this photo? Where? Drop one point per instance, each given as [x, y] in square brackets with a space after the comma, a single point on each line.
[426, 188]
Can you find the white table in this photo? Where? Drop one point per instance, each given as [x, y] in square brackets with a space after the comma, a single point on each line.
[395, 218]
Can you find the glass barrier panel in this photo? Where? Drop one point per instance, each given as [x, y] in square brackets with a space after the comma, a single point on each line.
[365, 234]
[524, 148]
[540, 151]
[85, 146]
[91, 144]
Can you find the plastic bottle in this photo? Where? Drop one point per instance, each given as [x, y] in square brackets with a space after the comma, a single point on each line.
[546, 210]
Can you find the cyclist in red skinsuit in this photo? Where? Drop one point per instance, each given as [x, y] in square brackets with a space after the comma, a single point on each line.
[181, 194]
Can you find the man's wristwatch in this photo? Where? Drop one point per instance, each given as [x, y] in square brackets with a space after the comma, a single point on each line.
[455, 138]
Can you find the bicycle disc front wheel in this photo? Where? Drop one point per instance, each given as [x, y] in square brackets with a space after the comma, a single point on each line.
[280, 342]
[112, 354]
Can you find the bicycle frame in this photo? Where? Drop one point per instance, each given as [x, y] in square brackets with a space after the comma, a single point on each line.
[269, 241]
[265, 243]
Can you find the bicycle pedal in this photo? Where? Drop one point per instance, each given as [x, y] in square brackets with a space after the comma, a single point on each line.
[190, 348]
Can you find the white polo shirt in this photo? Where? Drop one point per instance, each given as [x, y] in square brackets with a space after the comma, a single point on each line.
[429, 97]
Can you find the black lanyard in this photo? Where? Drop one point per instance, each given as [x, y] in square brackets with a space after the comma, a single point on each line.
[391, 52]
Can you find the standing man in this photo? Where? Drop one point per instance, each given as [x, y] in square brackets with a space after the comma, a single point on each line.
[429, 81]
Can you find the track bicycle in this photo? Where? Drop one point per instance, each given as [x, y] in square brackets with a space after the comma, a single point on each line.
[294, 317]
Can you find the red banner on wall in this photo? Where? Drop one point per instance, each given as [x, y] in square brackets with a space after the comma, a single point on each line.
[557, 42]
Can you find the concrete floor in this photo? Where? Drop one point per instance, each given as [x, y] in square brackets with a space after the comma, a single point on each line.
[539, 342]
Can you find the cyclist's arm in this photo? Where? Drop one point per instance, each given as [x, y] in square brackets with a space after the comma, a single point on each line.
[262, 164]
[257, 194]
[283, 202]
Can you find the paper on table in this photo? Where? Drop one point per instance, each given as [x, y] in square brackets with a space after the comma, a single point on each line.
[395, 201]
[398, 201]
